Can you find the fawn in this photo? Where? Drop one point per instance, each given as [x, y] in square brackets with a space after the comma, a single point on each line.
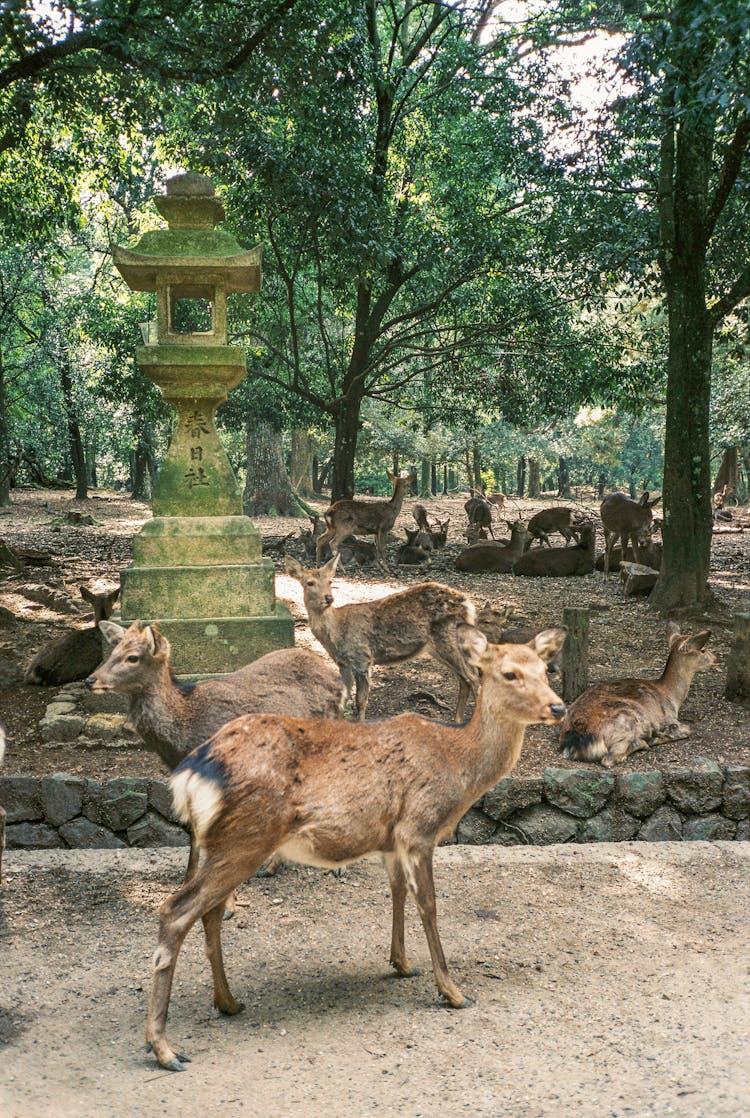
[374, 518]
[555, 519]
[328, 793]
[172, 717]
[74, 655]
[611, 720]
[386, 631]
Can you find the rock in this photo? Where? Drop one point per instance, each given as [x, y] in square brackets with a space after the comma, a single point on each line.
[640, 793]
[160, 799]
[106, 727]
[696, 791]
[58, 707]
[736, 792]
[62, 797]
[664, 825]
[475, 828]
[637, 579]
[32, 836]
[118, 803]
[19, 795]
[543, 824]
[153, 830]
[580, 792]
[104, 702]
[743, 830]
[61, 728]
[512, 794]
[82, 834]
[708, 828]
[614, 824]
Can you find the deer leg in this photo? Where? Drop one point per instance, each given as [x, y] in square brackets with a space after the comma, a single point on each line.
[347, 676]
[398, 959]
[363, 692]
[230, 905]
[223, 1000]
[204, 892]
[417, 866]
[321, 541]
[380, 551]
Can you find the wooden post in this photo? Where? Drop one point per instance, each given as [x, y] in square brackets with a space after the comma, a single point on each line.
[575, 656]
[737, 688]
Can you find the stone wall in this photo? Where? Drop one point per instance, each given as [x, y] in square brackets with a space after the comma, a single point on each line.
[564, 805]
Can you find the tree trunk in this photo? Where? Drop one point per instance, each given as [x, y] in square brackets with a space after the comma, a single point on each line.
[563, 478]
[433, 478]
[445, 479]
[345, 447]
[75, 442]
[534, 487]
[521, 476]
[601, 485]
[301, 461]
[424, 477]
[729, 472]
[477, 460]
[268, 491]
[6, 466]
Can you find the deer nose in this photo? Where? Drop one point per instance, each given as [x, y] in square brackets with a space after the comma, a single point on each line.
[329, 599]
[557, 710]
[90, 682]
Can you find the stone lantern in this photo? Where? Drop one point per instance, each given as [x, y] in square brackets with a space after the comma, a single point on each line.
[197, 565]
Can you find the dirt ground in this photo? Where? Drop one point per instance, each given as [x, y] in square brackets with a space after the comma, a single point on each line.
[610, 982]
[625, 637]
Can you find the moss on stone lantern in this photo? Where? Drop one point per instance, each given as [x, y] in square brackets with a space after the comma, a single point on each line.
[197, 565]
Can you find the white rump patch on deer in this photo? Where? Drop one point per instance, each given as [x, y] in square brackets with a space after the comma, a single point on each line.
[197, 800]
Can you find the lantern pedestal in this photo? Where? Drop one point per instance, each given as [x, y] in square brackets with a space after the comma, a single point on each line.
[198, 568]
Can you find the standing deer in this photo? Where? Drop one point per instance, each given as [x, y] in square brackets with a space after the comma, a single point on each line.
[609, 721]
[556, 519]
[439, 535]
[626, 520]
[373, 518]
[423, 618]
[479, 511]
[326, 794]
[75, 654]
[172, 717]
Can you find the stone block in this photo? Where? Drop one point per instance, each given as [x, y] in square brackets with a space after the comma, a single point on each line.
[32, 836]
[736, 802]
[82, 834]
[640, 793]
[153, 830]
[696, 791]
[708, 828]
[512, 794]
[743, 830]
[107, 727]
[199, 592]
[104, 702]
[580, 792]
[665, 825]
[58, 707]
[210, 647]
[614, 824]
[475, 828]
[62, 797]
[19, 795]
[542, 824]
[637, 579]
[117, 803]
[160, 799]
[61, 728]
[172, 541]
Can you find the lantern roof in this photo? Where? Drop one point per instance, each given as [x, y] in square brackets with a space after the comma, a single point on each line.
[191, 251]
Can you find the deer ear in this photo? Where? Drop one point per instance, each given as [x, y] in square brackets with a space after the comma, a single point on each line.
[150, 638]
[293, 568]
[473, 644]
[700, 640]
[673, 631]
[111, 632]
[548, 643]
[329, 568]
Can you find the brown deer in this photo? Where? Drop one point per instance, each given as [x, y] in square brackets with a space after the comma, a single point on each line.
[347, 517]
[561, 562]
[479, 511]
[173, 717]
[398, 627]
[352, 549]
[498, 556]
[326, 794]
[651, 553]
[439, 535]
[627, 521]
[556, 519]
[75, 654]
[417, 549]
[611, 720]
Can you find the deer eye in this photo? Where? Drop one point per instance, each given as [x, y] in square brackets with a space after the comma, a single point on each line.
[134, 658]
[509, 675]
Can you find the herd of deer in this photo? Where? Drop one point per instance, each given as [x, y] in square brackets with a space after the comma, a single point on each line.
[255, 784]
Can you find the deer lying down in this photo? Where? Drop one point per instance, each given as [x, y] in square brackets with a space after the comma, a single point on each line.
[611, 720]
[561, 562]
[75, 654]
[423, 618]
[2, 809]
[495, 557]
[328, 793]
[172, 718]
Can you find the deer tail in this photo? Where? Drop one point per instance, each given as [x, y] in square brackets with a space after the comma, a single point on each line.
[198, 784]
[581, 747]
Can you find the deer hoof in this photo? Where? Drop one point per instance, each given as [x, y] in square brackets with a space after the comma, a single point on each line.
[231, 1008]
[465, 1002]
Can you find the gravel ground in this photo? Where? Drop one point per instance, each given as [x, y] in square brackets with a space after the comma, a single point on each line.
[610, 981]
